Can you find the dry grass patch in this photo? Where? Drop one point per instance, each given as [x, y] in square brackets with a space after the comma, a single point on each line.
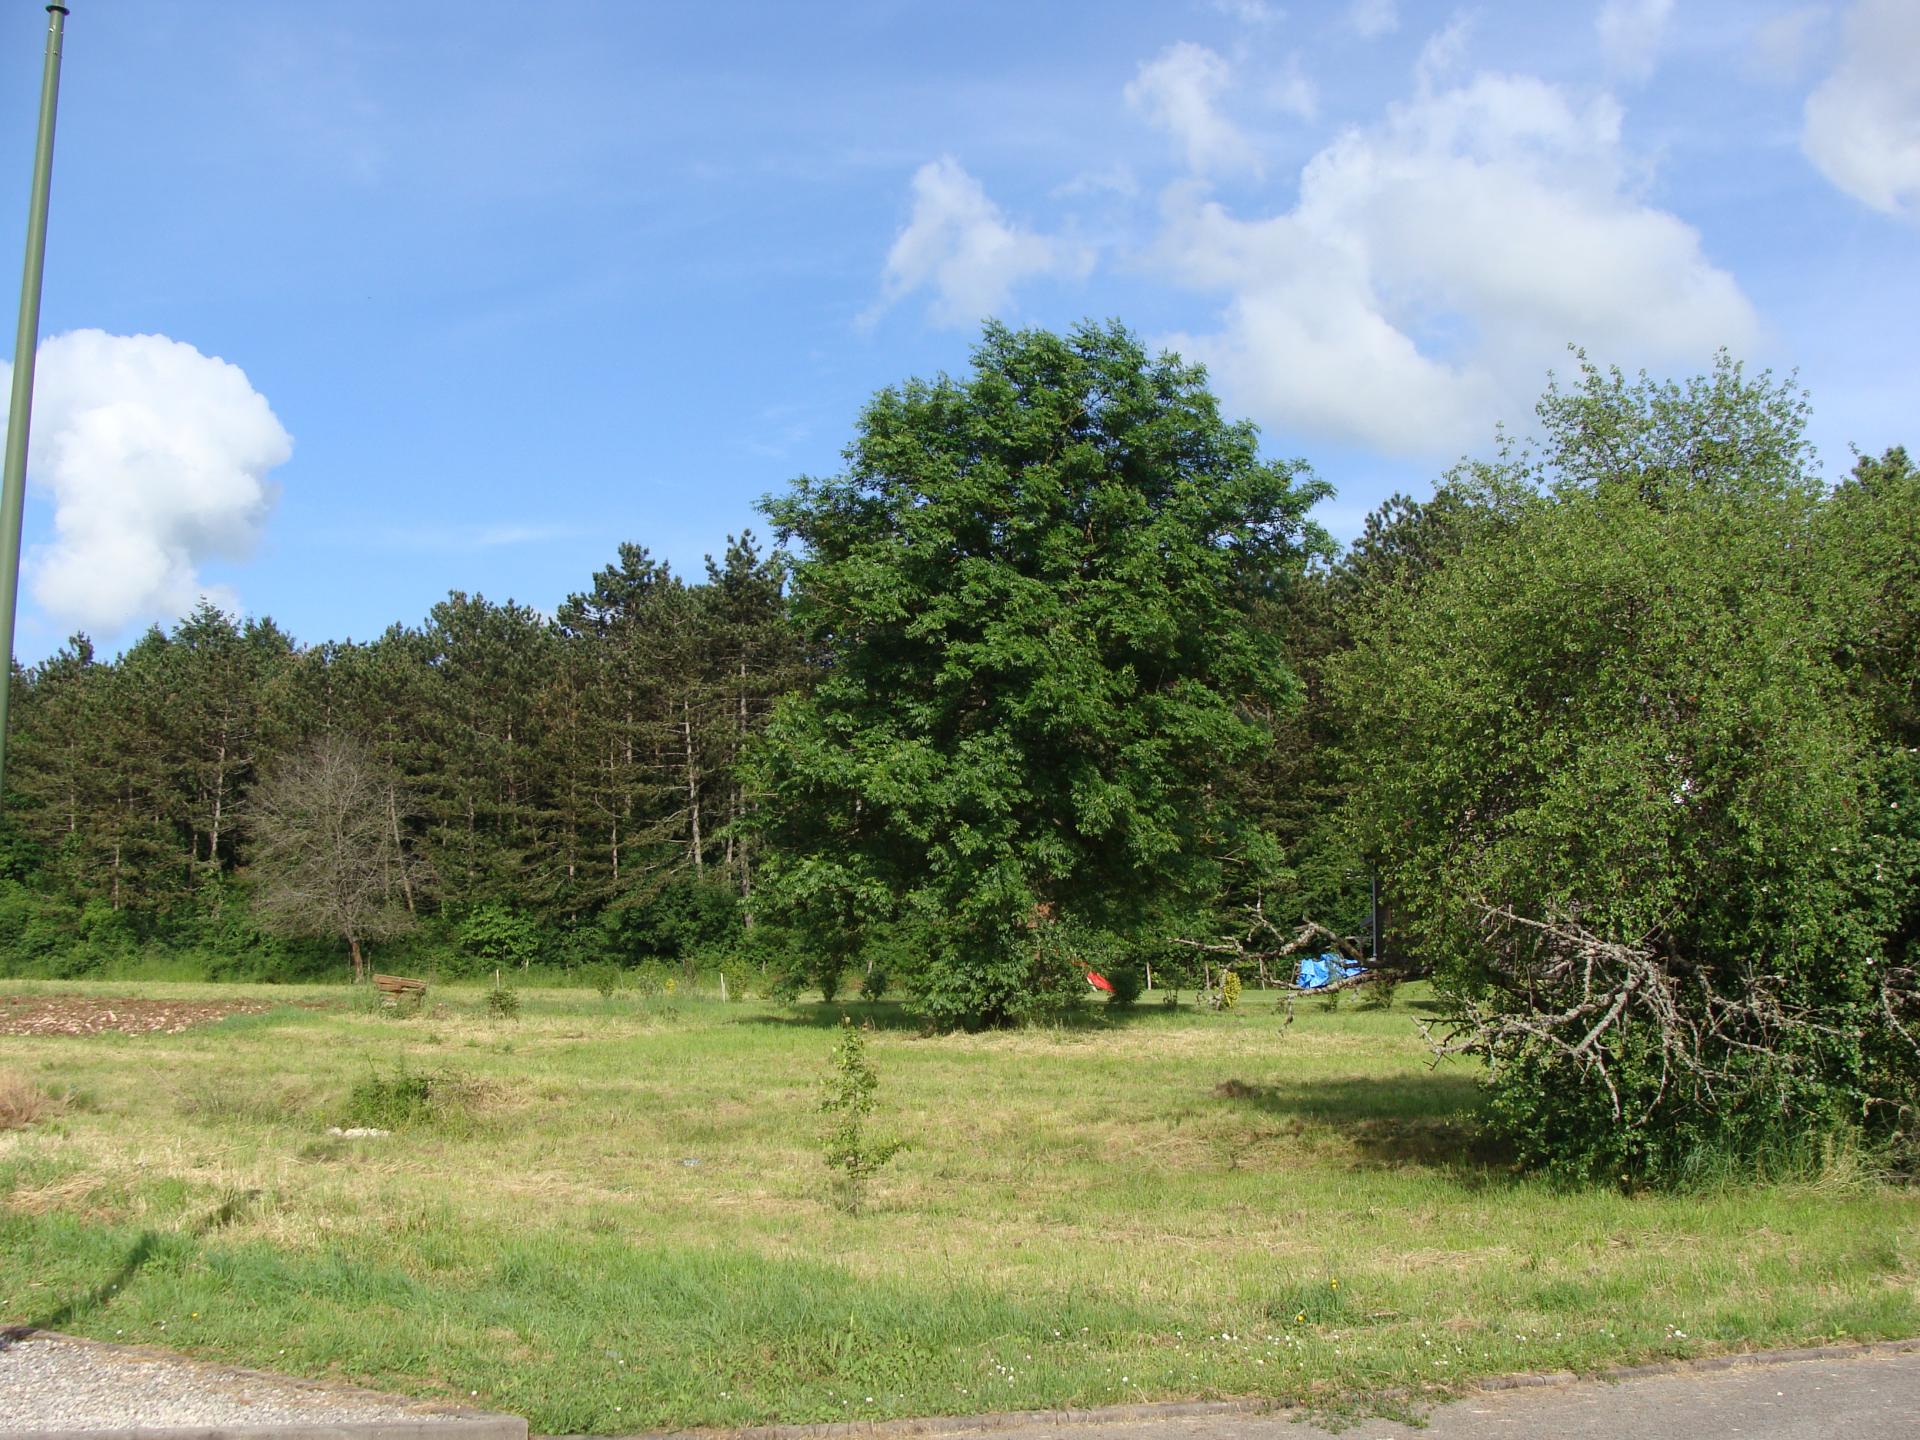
[23, 1103]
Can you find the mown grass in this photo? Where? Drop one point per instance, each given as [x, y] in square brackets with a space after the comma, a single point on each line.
[612, 1215]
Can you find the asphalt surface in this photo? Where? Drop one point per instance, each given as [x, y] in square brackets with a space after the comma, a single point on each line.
[54, 1387]
[1873, 1397]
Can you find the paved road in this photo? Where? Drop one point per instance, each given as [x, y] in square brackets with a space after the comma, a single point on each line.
[1875, 1397]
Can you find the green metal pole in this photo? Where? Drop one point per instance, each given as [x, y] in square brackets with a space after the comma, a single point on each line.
[13, 486]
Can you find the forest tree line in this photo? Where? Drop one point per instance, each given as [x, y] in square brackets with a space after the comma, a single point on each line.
[572, 772]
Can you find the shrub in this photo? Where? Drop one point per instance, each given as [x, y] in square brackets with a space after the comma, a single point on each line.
[847, 1099]
[1379, 991]
[873, 986]
[679, 920]
[603, 976]
[743, 975]
[494, 937]
[503, 1003]
[1128, 984]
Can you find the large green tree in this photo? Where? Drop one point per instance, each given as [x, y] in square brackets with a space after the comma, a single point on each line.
[1031, 591]
[1609, 760]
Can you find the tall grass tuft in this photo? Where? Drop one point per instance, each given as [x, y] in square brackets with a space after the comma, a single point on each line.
[22, 1102]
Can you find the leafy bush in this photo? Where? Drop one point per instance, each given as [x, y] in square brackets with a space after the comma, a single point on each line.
[1128, 982]
[495, 937]
[873, 985]
[1379, 992]
[650, 980]
[743, 974]
[503, 1003]
[604, 977]
[673, 923]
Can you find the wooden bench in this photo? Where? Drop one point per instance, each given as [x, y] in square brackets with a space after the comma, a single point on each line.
[397, 989]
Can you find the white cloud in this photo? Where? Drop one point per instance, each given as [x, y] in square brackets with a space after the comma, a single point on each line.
[1863, 121]
[1373, 18]
[960, 245]
[156, 460]
[1294, 92]
[1630, 33]
[1109, 180]
[1443, 52]
[1249, 12]
[1178, 92]
[1782, 45]
[1435, 266]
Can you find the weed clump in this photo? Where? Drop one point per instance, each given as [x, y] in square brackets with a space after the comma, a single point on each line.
[1378, 993]
[22, 1102]
[1308, 1305]
[408, 1100]
[847, 1097]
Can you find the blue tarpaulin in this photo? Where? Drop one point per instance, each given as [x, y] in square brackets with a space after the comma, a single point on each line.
[1319, 971]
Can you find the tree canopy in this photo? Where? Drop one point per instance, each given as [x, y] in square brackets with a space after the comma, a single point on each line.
[1033, 594]
[1610, 758]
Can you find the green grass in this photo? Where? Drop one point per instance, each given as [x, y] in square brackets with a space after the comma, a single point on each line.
[612, 1215]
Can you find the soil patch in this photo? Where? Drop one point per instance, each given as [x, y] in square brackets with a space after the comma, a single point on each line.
[112, 1014]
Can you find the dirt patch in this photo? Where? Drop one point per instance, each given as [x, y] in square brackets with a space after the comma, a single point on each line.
[112, 1014]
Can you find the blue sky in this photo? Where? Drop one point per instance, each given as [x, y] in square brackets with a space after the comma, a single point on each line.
[462, 294]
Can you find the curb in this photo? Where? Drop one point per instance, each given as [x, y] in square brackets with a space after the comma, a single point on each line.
[1196, 1409]
[434, 1422]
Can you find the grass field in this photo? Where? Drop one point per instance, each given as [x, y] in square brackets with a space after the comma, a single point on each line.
[613, 1215]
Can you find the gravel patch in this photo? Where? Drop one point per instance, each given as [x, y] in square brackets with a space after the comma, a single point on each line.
[51, 1383]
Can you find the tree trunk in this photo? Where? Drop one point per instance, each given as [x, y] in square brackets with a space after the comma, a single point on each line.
[746, 888]
[693, 787]
[219, 796]
[359, 962]
[737, 847]
[393, 821]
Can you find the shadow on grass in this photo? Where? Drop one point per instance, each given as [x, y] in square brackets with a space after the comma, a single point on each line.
[1093, 1017]
[150, 1243]
[143, 1250]
[896, 1015]
[816, 1015]
[1391, 1122]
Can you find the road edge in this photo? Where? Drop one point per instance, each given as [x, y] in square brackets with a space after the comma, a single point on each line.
[1254, 1405]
